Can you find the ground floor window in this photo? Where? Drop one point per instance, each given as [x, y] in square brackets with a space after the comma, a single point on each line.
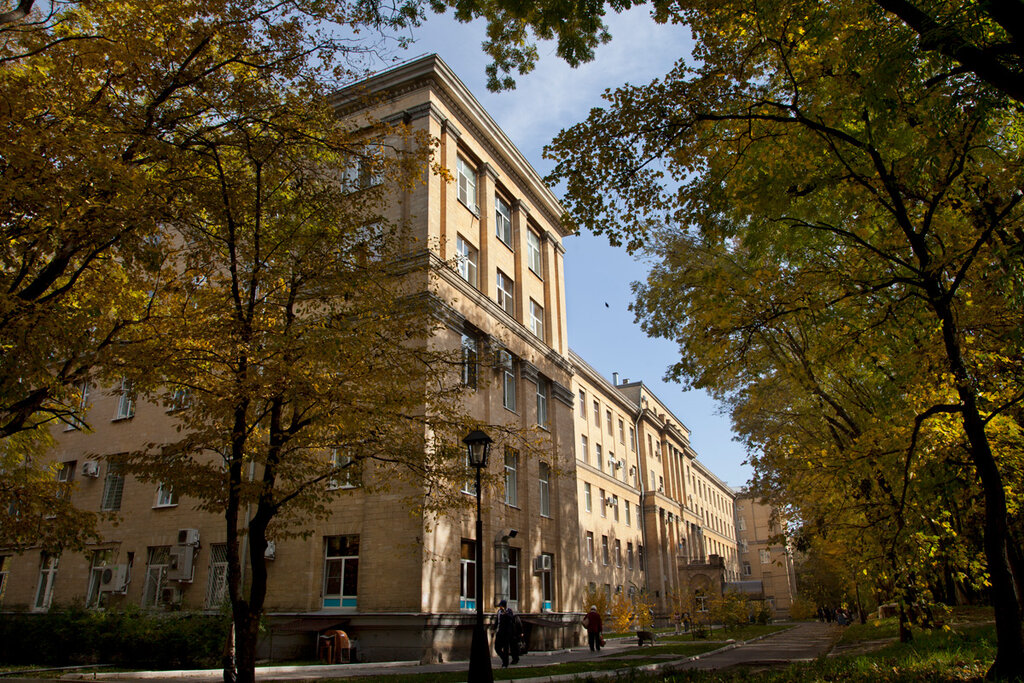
[701, 600]
[547, 579]
[98, 562]
[217, 588]
[467, 576]
[47, 575]
[5, 563]
[341, 571]
[158, 559]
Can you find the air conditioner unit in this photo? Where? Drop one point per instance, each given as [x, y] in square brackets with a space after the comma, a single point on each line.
[90, 468]
[188, 537]
[114, 579]
[170, 596]
[541, 563]
[181, 564]
[271, 552]
[503, 359]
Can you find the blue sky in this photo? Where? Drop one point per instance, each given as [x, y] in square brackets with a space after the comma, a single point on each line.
[549, 99]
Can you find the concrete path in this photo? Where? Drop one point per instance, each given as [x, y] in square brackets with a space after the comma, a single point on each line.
[803, 642]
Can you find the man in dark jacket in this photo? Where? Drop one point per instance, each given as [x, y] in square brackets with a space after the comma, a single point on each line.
[592, 622]
[509, 631]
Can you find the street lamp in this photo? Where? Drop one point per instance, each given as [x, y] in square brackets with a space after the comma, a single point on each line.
[478, 445]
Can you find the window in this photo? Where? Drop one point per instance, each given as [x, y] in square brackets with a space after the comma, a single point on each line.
[615, 508]
[628, 520]
[597, 413]
[542, 401]
[608, 419]
[5, 568]
[466, 258]
[508, 381]
[125, 400]
[77, 420]
[590, 547]
[584, 455]
[640, 557]
[583, 403]
[602, 501]
[65, 475]
[511, 477]
[702, 601]
[97, 563]
[766, 556]
[345, 474]
[47, 573]
[181, 398]
[618, 553]
[113, 487]
[638, 515]
[622, 433]
[632, 439]
[597, 454]
[547, 583]
[604, 550]
[217, 586]
[629, 554]
[741, 524]
[158, 559]
[470, 360]
[513, 578]
[467, 577]
[545, 489]
[165, 496]
[537, 319]
[747, 569]
[506, 289]
[533, 252]
[467, 184]
[503, 221]
[359, 173]
[341, 571]
[469, 486]
[587, 502]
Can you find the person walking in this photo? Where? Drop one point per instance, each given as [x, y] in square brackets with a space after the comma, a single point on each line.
[507, 635]
[592, 622]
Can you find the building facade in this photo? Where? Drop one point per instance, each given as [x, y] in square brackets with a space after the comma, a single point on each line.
[765, 555]
[614, 496]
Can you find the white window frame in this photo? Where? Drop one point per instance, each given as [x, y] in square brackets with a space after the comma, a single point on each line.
[511, 477]
[158, 560]
[537, 319]
[603, 502]
[125, 400]
[466, 173]
[113, 488]
[583, 404]
[618, 552]
[543, 387]
[587, 497]
[217, 584]
[467, 260]
[505, 293]
[343, 478]
[470, 361]
[765, 555]
[544, 481]
[508, 383]
[503, 221]
[77, 421]
[98, 561]
[48, 565]
[584, 449]
[467, 576]
[589, 541]
[605, 550]
[533, 252]
[347, 563]
[628, 515]
[165, 496]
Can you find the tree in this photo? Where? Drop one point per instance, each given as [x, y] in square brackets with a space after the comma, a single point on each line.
[98, 99]
[292, 333]
[821, 187]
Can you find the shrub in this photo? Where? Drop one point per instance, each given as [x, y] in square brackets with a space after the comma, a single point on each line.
[131, 638]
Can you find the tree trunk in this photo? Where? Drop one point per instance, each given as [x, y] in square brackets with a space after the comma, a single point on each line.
[1009, 662]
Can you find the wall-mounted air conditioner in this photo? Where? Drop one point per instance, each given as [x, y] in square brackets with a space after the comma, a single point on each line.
[188, 537]
[181, 563]
[90, 468]
[541, 563]
[114, 579]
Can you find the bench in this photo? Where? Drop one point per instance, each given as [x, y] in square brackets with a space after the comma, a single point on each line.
[641, 636]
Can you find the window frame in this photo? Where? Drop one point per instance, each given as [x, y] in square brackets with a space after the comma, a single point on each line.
[346, 562]
[511, 471]
[534, 254]
[544, 485]
[503, 221]
[467, 258]
[537, 320]
[505, 295]
[466, 190]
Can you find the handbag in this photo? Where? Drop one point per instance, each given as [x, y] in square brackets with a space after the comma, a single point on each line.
[522, 647]
[601, 640]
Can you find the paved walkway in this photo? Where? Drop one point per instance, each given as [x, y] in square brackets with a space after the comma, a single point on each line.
[803, 642]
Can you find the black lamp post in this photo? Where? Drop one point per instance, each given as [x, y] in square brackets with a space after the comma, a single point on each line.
[479, 445]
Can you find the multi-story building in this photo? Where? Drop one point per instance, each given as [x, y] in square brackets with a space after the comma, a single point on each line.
[765, 555]
[633, 509]
[633, 453]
